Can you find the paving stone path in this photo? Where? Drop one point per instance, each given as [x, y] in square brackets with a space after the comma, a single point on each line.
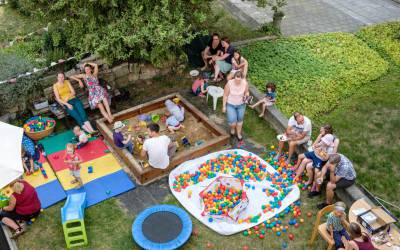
[318, 16]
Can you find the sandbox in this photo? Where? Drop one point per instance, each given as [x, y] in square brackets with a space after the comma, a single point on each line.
[202, 134]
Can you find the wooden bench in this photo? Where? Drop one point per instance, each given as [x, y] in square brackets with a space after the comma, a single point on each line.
[80, 93]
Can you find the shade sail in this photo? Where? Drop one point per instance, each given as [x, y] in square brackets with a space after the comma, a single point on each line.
[10, 153]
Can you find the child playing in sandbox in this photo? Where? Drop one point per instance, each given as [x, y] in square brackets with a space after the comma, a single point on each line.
[268, 100]
[175, 116]
[81, 137]
[72, 159]
[336, 225]
[120, 140]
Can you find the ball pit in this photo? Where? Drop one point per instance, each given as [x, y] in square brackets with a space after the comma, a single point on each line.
[269, 190]
[224, 198]
[39, 127]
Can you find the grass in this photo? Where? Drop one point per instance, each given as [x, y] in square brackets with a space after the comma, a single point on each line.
[13, 24]
[384, 38]
[107, 227]
[313, 72]
[368, 127]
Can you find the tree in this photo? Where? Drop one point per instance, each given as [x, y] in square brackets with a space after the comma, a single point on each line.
[276, 7]
[151, 30]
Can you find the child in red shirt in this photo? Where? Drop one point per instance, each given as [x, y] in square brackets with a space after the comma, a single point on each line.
[72, 159]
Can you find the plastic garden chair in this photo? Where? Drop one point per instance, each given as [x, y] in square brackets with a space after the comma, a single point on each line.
[321, 228]
[215, 92]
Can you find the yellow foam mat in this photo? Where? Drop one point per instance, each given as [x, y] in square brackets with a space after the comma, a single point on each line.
[37, 178]
[102, 166]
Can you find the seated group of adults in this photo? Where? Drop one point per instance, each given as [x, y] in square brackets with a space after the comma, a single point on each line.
[223, 58]
[323, 160]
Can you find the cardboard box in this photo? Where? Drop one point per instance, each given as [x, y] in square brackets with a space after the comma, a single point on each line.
[375, 220]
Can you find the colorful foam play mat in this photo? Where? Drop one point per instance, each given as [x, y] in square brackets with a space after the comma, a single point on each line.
[101, 173]
[232, 190]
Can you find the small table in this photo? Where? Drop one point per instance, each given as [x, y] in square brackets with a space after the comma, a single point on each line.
[215, 92]
[361, 203]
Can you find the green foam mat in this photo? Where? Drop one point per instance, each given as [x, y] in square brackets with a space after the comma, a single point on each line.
[53, 144]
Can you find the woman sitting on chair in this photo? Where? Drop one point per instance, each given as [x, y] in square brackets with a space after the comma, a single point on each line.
[24, 205]
[98, 97]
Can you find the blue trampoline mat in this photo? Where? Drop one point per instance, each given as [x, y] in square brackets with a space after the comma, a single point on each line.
[158, 221]
[105, 187]
[50, 193]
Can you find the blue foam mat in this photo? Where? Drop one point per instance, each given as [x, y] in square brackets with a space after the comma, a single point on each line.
[50, 193]
[181, 239]
[105, 187]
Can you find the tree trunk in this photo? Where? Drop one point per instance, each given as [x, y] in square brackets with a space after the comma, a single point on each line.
[277, 19]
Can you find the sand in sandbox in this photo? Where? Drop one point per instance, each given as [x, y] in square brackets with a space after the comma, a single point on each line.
[194, 131]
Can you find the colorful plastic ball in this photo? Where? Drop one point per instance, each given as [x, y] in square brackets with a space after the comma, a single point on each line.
[261, 236]
[296, 225]
[245, 233]
[284, 245]
[291, 236]
[301, 220]
[309, 214]
[210, 219]
[278, 233]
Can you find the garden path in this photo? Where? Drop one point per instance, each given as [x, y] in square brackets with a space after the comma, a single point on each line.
[318, 16]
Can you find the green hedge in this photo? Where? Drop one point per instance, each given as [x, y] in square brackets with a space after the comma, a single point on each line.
[12, 65]
[313, 73]
[384, 37]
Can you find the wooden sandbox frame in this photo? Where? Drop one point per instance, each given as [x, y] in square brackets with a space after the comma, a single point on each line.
[149, 174]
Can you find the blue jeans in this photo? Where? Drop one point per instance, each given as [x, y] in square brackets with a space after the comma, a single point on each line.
[235, 113]
[337, 237]
[129, 147]
[78, 111]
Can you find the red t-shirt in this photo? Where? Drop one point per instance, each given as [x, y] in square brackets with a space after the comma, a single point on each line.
[27, 202]
[74, 157]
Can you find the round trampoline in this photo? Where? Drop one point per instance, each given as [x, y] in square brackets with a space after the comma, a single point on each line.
[162, 227]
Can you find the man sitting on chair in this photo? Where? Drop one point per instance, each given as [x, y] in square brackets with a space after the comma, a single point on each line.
[158, 148]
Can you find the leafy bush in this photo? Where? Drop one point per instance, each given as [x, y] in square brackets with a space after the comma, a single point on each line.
[384, 37]
[153, 30]
[313, 73]
[12, 65]
[270, 29]
[25, 90]
[30, 50]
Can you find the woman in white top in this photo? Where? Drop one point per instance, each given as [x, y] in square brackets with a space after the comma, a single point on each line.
[239, 63]
[314, 160]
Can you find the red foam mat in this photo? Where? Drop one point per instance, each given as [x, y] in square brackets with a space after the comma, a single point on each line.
[93, 150]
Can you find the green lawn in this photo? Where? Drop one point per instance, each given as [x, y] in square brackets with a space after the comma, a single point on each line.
[313, 72]
[368, 126]
[383, 37]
